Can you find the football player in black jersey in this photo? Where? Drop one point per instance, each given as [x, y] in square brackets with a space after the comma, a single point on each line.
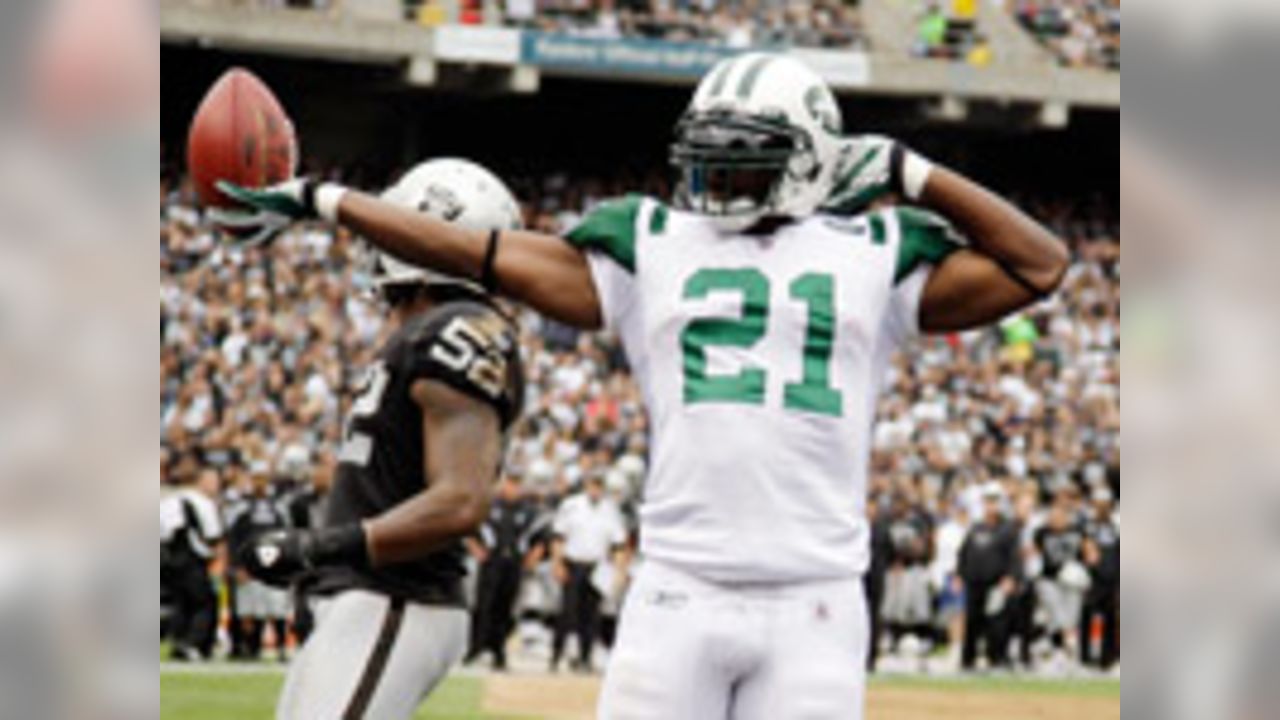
[422, 447]
[1063, 579]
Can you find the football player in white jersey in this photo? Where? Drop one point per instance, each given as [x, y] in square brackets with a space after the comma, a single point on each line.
[757, 326]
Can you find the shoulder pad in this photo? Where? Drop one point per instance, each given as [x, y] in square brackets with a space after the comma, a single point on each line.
[474, 349]
[923, 238]
[610, 228]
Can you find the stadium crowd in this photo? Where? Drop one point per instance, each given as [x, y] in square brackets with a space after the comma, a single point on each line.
[995, 462]
[749, 23]
[950, 31]
[1082, 33]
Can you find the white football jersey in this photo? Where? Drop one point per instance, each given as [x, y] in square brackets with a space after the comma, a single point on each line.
[759, 358]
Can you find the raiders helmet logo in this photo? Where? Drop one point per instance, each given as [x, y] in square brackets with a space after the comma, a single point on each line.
[439, 201]
[268, 555]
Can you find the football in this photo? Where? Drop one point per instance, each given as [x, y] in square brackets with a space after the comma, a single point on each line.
[242, 134]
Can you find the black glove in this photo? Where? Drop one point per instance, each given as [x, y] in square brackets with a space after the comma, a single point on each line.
[279, 557]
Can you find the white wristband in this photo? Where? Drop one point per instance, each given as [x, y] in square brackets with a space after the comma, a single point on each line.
[327, 197]
[915, 173]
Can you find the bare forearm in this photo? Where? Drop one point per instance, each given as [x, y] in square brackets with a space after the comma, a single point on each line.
[413, 236]
[997, 229]
[542, 271]
[424, 523]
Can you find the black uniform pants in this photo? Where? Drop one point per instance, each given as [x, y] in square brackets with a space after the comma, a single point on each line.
[1101, 601]
[1021, 622]
[493, 616]
[579, 612]
[873, 584]
[195, 606]
[979, 626]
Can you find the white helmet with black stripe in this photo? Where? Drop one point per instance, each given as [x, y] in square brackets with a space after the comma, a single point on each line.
[451, 189]
[759, 139]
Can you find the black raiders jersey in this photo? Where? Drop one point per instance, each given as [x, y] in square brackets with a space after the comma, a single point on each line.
[470, 347]
[1106, 535]
[1058, 547]
[909, 538]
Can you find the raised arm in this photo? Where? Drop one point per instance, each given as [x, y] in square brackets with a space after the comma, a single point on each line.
[540, 270]
[1011, 261]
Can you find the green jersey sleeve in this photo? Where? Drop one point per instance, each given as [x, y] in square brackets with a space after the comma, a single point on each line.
[924, 238]
[610, 229]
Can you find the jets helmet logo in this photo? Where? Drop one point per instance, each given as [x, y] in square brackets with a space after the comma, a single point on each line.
[822, 107]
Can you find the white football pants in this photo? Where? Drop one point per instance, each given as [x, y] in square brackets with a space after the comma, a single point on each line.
[371, 657]
[688, 649]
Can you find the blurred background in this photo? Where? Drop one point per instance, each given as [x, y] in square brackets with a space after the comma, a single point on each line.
[572, 102]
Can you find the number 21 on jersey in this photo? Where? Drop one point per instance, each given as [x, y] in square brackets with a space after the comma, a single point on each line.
[811, 392]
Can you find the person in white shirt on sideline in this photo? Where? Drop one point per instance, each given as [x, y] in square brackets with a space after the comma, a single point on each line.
[190, 533]
[587, 527]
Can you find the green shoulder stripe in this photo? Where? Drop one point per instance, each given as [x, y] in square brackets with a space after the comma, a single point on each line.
[924, 238]
[610, 229]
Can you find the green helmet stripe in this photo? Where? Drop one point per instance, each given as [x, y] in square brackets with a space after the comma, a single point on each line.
[717, 83]
[852, 173]
[752, 73]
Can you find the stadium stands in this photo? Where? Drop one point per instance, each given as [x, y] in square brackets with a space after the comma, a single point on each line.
[1081, 33]
[810, 23]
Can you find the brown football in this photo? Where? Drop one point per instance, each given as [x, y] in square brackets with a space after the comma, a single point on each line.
[239, 133]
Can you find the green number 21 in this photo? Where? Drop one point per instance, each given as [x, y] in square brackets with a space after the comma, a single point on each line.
[813, 393]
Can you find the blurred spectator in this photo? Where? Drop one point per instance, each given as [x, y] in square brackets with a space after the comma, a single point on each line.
[803, 23]
[951, 34]
[874, 580]
[1102, 601]
[989, 567]
[944, 576]
[931, 31]
[979, 52]
[907, 603]
[257, 604]
[190, 535]
[1063, 579]
[304, 504]
[503, 547]
[1082, 33]
[588, 527]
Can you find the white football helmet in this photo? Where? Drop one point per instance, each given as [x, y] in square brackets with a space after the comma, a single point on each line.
[760, 138]
[451, 189]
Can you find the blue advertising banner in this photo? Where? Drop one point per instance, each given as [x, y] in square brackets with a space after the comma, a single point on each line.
[676, 60]
[624, 56]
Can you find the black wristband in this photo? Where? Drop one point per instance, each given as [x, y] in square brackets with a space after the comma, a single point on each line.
[339, 545]
[1026, 284]
[309, 186]
[488, 275]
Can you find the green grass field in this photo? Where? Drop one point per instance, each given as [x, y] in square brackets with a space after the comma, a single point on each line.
[210, 694]
[249, 696]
